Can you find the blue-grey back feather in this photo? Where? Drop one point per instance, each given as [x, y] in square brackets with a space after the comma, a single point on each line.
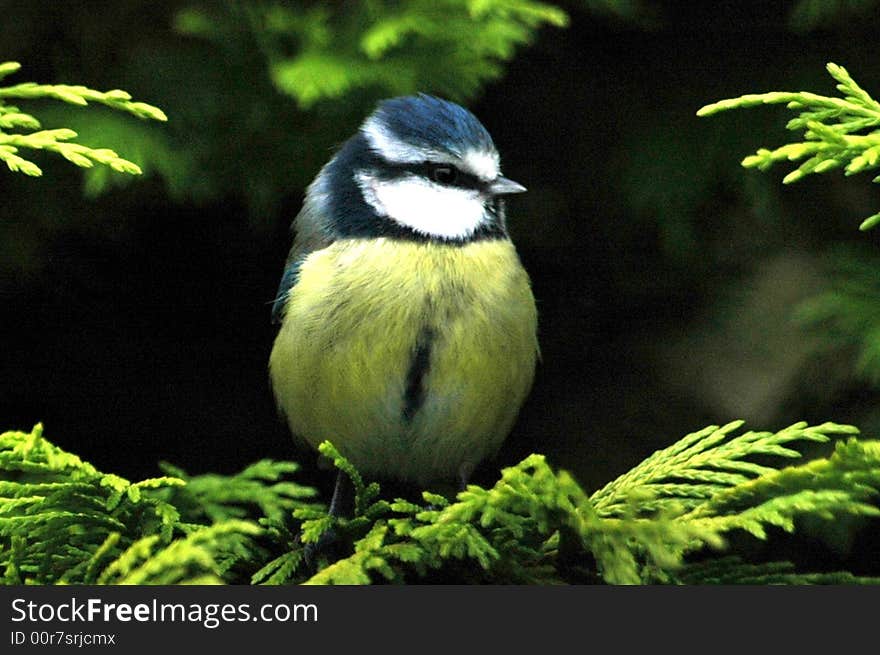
[312, 228]
[288, 279]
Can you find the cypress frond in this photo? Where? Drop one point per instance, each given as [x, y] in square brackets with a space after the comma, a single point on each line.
[852, 469]
[733, 570]
[833, 130]
[181, 560]
[63, 521]
[712, 458]
[393, 48]
[59, 141]
[262, 486]
[280, 570]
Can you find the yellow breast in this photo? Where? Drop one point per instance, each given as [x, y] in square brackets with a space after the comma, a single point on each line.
[412, 358]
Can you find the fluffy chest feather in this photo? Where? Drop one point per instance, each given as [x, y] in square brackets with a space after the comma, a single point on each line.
[413, 358]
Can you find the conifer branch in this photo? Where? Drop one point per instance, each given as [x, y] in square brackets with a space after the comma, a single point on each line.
[838, 133]
[393, 47]
[637, 529]
[61, 520]
[704, 464]
[733, 570]
[59, 140]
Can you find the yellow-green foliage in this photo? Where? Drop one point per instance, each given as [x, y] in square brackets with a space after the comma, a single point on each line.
[535, 522]
[838, 132]
[60, 140]
[62, 521]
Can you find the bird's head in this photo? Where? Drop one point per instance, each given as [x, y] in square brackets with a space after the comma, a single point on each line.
[418, 167]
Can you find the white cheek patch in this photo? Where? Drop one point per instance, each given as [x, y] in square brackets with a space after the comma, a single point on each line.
[428, 208]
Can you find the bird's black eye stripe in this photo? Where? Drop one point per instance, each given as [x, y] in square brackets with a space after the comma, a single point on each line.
[445, 174]
[450, 175]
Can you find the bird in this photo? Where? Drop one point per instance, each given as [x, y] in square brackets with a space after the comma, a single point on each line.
[407, 323]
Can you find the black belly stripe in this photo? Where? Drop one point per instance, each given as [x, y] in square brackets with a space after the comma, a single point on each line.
[414, 394]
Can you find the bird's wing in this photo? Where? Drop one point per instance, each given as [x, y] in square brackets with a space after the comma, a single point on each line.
[311, 235]
[288, 279]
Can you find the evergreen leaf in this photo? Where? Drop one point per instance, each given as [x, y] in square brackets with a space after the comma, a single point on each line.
[834, 130]
[58, 140]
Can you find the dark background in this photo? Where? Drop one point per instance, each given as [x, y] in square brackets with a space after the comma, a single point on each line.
[135, 323]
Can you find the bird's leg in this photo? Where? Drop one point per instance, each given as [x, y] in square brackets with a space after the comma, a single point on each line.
[341, 506]
[342, 503]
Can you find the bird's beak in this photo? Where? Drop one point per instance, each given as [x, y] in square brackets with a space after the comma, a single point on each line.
[501, 186]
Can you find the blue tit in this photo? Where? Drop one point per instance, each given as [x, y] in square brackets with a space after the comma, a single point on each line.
[407, 322]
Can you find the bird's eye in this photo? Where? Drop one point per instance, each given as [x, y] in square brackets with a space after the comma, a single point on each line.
[444, 174]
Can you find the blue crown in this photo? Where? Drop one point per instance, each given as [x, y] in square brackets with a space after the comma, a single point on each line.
[426, 121]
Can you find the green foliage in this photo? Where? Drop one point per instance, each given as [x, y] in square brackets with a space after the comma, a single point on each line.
[535, 524]
[807, 15]
[838, 132]
[391, 47]
[264, 485]
[62, 521]
[60, 140]
[703, 465]
[846, 315]
[733, 570]
[262, 91]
